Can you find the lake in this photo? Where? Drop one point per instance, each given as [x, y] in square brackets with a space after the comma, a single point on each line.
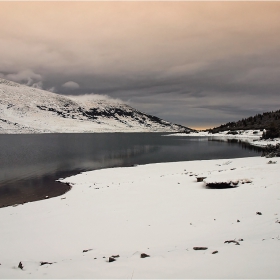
[30, 164]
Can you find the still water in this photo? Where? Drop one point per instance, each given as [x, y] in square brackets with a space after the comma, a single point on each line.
[30, 164]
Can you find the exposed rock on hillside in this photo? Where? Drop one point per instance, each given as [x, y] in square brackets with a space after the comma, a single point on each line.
[25, 109]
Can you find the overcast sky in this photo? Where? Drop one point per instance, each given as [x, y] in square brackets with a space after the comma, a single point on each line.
[199, 64]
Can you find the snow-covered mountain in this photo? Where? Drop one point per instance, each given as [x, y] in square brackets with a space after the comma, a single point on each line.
[25, 109]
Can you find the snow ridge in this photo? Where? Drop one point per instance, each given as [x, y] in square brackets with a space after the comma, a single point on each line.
[25, 109]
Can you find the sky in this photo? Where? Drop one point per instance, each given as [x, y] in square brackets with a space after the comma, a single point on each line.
[199, 64]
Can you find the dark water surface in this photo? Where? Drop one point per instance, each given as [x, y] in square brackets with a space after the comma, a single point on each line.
[30, 164]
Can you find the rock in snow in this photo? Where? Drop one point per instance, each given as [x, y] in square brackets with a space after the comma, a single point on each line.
[25, 109]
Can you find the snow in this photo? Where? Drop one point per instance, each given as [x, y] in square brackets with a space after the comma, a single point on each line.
[25, 109]
[253, 137]
[157, 209]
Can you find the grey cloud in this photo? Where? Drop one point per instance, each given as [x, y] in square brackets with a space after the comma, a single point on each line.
[37, 85]
[88, 98]
[196, 65]
[27, 77]
[71, 85]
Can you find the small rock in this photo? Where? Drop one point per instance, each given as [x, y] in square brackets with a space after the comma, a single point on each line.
[241, 239]
[115, 256]
[215, 252]
[219, 185]
[200, 248]
[84, 251]
[271, 162]
[200, 179]
[232, 241]
[143, 255]
[238, 221]
[43, 263]
[111, 259]
[259, 213]
[46, 196]
[20, 265]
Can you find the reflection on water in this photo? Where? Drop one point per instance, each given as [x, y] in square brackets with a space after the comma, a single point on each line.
[30, 164]
[243, 145]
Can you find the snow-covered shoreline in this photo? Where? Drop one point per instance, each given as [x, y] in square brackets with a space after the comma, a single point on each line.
[157, 209]
[249, 136]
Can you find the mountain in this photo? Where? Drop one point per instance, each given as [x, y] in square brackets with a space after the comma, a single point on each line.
[25, 109]
[269, 121]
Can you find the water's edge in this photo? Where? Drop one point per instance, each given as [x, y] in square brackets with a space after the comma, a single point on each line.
[137, 151]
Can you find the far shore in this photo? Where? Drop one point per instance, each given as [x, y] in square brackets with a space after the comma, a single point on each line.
[253, 137]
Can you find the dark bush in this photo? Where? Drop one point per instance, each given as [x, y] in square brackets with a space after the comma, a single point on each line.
[271, 151]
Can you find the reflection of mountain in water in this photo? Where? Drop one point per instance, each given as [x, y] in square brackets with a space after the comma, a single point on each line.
[123, 156]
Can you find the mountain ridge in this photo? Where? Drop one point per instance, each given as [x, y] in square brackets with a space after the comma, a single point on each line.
[25, 109]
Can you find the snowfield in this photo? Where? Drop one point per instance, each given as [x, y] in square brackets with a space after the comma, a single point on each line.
[25, 109]
[157, 209]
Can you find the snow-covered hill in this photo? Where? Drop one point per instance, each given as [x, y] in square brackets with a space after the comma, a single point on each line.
[25, 109]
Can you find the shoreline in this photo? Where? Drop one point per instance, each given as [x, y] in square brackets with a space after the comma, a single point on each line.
[36, 188]
[157, 209]
[251, 137]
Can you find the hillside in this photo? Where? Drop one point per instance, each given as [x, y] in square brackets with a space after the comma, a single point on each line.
[25, 109]
[269, 121]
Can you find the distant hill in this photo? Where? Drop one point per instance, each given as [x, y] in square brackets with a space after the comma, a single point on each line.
[25, 109]
[269, 121]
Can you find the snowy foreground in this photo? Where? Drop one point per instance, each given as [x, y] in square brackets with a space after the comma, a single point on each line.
[158, 209]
